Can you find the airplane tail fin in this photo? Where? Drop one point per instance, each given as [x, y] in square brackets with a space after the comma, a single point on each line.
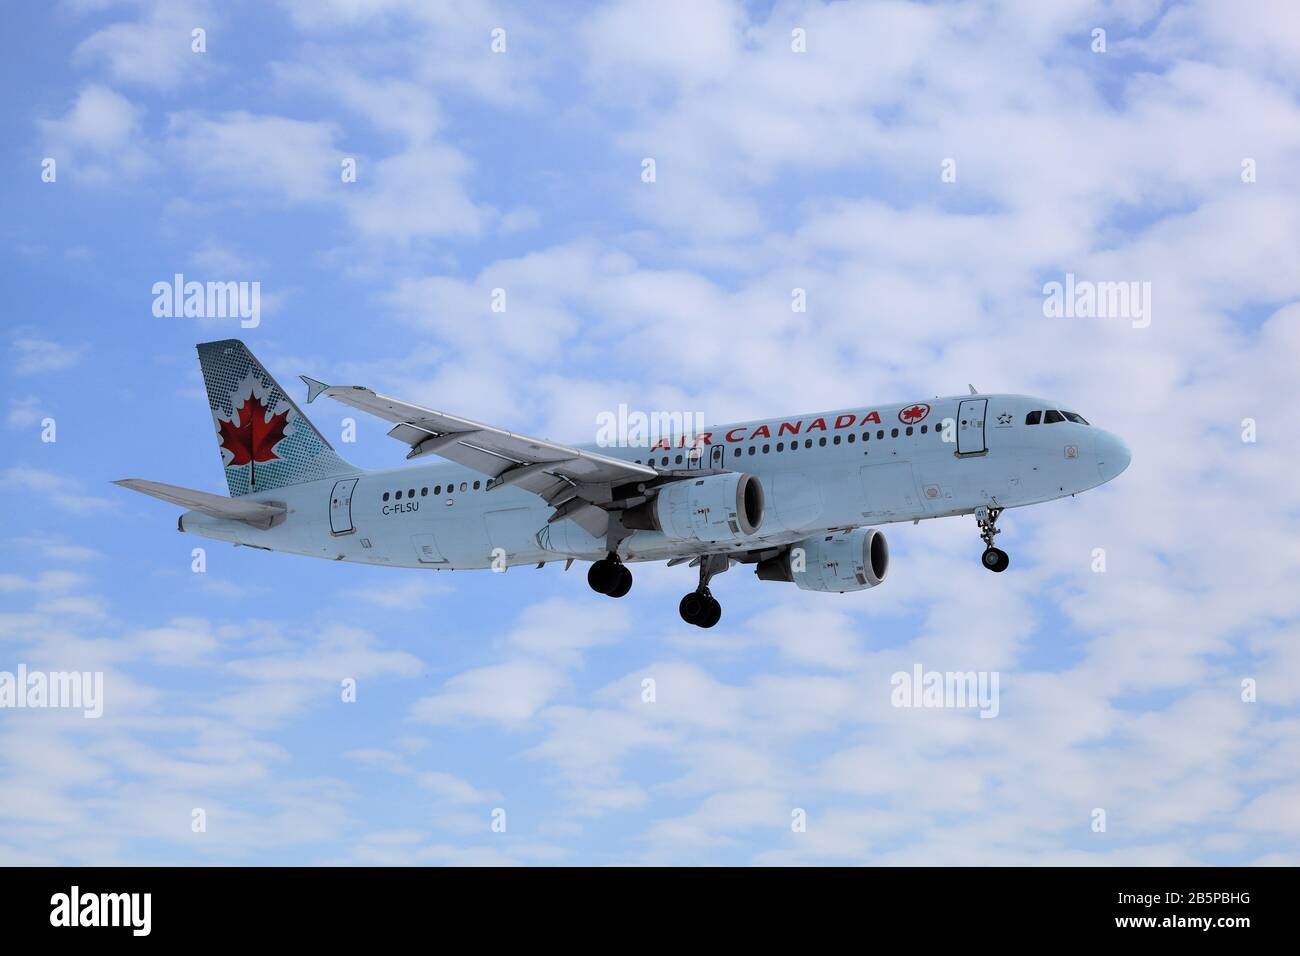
[266, 442]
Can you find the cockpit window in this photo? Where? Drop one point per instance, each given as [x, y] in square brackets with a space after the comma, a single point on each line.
[1033, 418]
[1052, 417]
[1075, 417]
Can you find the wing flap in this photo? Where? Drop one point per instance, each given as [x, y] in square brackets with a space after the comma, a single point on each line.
[484, 448]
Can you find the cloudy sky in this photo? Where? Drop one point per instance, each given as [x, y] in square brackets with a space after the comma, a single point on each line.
[796, 145]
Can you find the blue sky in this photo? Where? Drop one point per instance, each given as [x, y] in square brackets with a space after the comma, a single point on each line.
[775, 170]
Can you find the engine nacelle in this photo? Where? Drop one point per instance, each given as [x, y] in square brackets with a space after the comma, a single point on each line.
[839, 561]
[716, 508]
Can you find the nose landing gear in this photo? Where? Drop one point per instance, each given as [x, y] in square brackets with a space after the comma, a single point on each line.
[995, 559]
[700, 607]
[610, 576]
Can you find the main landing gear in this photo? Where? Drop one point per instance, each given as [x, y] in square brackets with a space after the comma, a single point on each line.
[700, 607]
[995, 559]
[610, 576]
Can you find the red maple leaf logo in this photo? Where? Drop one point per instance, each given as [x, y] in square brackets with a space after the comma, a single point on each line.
[910, 416]
[253, 438]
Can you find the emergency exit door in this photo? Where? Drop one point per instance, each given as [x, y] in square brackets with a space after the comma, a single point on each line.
[970, 426]
[341, 506]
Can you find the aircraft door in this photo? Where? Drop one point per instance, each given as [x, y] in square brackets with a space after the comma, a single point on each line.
[717, 456]
[970, 427]
[341, 506]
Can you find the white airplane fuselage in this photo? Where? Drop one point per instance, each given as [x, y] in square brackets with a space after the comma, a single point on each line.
[822, 471]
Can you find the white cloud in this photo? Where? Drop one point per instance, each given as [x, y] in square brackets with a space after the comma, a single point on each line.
[269, 156]
[98, 140]
[66, 493]
[33, 356]
[24, 412]
[156, 49]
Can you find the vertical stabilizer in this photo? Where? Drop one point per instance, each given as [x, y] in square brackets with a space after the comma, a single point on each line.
[266, 442]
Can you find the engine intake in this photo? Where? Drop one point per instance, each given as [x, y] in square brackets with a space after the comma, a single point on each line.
[840, 561]
[716, 508]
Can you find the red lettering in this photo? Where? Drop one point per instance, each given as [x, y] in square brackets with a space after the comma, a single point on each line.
[761, 431]
[732, 436]
[871, 417]
[793, 429]
[819, 423]
[841, 423]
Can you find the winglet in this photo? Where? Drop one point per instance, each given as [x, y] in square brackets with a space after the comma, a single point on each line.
[314, 388]
[971, 387]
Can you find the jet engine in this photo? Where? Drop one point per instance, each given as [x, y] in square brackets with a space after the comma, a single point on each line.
[838, 561]
[726, 507]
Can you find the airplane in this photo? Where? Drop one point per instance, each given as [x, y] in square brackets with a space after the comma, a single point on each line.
[800, 497]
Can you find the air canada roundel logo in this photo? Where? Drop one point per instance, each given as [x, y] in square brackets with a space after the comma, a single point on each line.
[914, 413]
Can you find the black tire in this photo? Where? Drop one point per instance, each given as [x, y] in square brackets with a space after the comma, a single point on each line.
[713, 613]
[603, 575]
[996, 560]
[692, 607]
[622, 583]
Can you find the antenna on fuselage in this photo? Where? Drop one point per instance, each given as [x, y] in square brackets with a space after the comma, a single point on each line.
[972, 389]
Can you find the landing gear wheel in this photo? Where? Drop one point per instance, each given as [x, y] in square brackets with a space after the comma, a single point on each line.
[622, 584]
[995, 559]
[714, 613]
[700, 608]
[692, 607]
[603, 576]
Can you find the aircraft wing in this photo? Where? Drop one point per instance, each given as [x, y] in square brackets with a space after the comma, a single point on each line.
[257, 513]
[576, 482]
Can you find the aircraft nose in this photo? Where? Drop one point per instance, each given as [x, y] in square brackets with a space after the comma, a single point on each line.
[1113, 455]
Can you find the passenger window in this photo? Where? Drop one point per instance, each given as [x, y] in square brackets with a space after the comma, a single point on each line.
[852, 437]
[780, 446]
[411, 493]
[398, 496]
[924, 428]
[893, 433]
[751, 449]
[1034, 418]
[822, 441]
[866, 436]
[424, 492]
[463, 486]
[737, 454]
[1052, 417]
[385, 496]
[880, 435]
[807, 443]
[909, 429]
[766, 448]
[678, 459]
[476, 486]
[835, 440]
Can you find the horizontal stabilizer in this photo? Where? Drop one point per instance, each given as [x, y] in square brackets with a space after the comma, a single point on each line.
[256, 513]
